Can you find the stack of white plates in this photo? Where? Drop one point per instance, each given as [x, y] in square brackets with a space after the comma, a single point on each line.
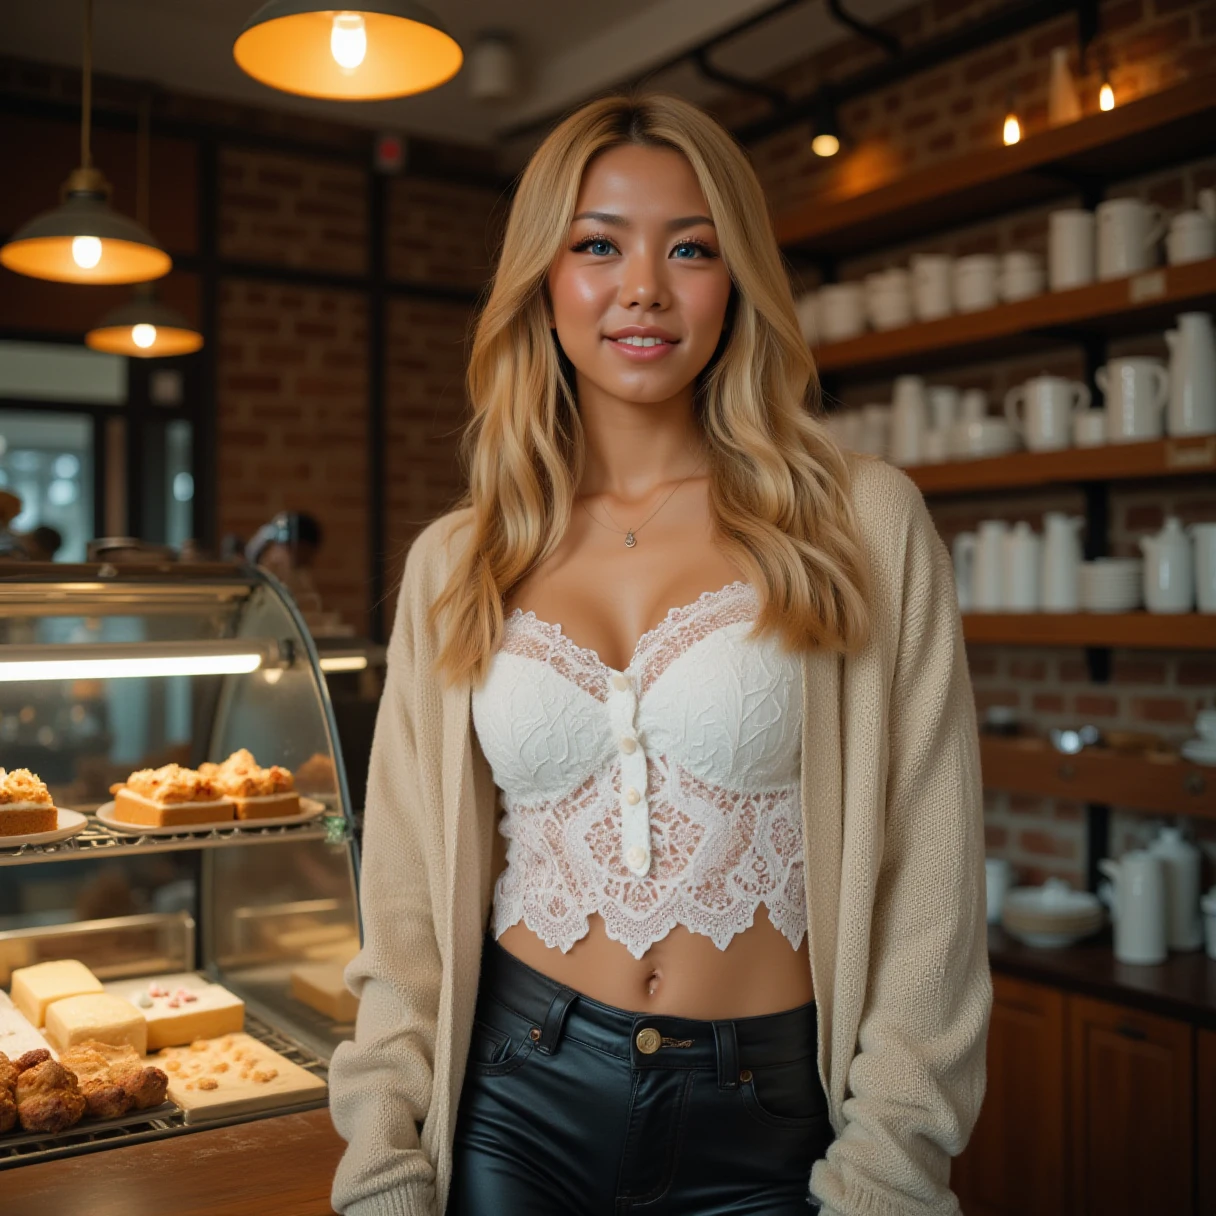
[1112, 584]
[978, 437]
[1052, 915]
[1200, 751]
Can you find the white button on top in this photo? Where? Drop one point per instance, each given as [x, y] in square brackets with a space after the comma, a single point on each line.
[632, 796]
[620, 682]
[636, 857]
[629, 744]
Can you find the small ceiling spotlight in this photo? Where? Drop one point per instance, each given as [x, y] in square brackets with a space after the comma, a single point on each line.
[827, 129]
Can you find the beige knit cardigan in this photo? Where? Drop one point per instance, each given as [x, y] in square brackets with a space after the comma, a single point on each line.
[893, 824]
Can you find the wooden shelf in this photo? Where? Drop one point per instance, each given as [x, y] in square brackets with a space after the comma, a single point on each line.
[859, 210]
[1144, 302]
[1165, 786]
[1180, 456]
[1138, 630]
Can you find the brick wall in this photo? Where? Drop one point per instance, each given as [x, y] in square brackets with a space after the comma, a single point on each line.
[942, 114]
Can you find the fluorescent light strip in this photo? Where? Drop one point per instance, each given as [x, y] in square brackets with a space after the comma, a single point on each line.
[344, 662]
[13, 671]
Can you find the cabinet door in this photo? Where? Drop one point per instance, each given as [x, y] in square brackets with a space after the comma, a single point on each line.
[1205, 1121]
[1133, 1098]
[1014, 1162]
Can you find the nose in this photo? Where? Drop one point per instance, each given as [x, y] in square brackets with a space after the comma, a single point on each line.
[644, 281]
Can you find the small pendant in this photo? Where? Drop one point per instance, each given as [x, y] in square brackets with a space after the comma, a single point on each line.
[630, 540]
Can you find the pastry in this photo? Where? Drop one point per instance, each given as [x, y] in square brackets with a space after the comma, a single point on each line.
[317, 775]
[8, 1094]
[37, 987]
[25, 804]
[48, 1096]
[259, 793]
[98, 1015]
[321, 987]
[114, 1080]
[180, 1008]
[165, 797]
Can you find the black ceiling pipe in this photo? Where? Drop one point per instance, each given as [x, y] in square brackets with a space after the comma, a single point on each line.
[888, 42]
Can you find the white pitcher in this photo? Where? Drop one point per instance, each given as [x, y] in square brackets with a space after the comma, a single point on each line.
[1184, 923]
[1020, 577]
[1138, 906]
[1192, 405]
[962, 551]
[909, 420]
[1169, 577]
[1061, 572]
[1204, 538]
[988, 586]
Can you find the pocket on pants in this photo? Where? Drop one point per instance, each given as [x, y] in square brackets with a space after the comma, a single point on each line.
[785, 1095]
[501, 1041]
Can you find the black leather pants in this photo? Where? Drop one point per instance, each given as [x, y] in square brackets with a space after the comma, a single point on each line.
[575, 1108]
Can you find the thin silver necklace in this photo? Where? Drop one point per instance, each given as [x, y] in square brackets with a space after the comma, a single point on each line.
[630, 534]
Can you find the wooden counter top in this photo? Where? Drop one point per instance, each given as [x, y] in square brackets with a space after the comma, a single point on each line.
[281, 1166]
[1183, 987]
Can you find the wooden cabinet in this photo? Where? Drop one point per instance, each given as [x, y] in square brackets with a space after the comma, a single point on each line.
[1015, 1161]
[1090, 1111]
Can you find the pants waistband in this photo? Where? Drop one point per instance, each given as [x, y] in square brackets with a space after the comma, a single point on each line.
[646, 1040]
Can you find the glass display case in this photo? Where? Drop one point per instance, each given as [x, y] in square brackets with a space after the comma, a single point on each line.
[106, 669]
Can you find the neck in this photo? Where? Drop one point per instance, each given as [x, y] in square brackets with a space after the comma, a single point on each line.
[633, 447]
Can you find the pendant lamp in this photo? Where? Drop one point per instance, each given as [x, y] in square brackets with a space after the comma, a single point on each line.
[144, 327]
[383, 48]
[83, 240]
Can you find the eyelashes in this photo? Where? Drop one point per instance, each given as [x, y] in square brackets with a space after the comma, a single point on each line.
[705, 250]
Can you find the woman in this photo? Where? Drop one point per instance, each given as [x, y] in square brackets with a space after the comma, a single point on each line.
[711, 672]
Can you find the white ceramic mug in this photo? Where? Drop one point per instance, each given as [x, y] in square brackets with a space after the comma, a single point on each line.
[1128, 232]
[842, 312]
[1136, 391]
[988, 584]
[1021, 276]
[1204, 538]
[1070, 248]
[1022, 569]
[875, 429]
[1048, 405]
[1192, 238]
[932, 285]
[909, 420]
[943, 406]
[975, 282]
[1089, 428]
[973, 405]
[889, 298]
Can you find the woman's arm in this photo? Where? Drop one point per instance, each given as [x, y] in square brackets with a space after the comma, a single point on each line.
[380, 1084]
[918, 1078]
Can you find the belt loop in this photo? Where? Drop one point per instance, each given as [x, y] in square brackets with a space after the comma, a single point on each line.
[550, 1032]
[728, 1055]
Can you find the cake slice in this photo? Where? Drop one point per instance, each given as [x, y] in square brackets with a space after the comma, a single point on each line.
[25, 805]
[36, 988]
[258, 793]
[168, 796]
[181, 1008]
[321, 987]
[96, 1015]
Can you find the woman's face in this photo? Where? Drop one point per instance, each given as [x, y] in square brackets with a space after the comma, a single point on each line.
[641, 259]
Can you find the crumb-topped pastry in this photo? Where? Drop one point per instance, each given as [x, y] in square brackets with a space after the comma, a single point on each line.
[182, 1007]
[25, 804]
[259, 793]
[170, 795]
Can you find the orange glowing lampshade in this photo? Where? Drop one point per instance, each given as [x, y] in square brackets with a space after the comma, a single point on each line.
[382, 48]
[84, 241]
[144, 328]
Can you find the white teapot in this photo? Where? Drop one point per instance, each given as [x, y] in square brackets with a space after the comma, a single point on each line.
[1184, 924]
[1137, 903]
[1169, 575]
[1061, 577]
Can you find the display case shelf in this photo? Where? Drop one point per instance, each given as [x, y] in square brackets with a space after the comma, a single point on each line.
[1140, 303]
[1135, 630]
[862, 208]
[1179, 456]
[96, 838]
[1162, 784]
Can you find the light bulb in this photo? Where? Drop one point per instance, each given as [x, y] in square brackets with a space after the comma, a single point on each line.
[1013, 129]
[825, 145]
[143, 335]
[348, 40]
[1106, 96]
[86, 251]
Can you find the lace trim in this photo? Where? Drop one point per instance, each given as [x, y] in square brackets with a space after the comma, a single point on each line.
[717, 855]
[530, 636]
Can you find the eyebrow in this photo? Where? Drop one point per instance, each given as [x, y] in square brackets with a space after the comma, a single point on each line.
[606, 217]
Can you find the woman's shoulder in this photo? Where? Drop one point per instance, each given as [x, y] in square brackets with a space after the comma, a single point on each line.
[886, 500]
[432, 554]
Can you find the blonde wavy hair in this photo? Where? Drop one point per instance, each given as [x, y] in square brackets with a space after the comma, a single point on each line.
[779, 484]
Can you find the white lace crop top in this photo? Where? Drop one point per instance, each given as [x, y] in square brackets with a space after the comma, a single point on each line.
[664, 794]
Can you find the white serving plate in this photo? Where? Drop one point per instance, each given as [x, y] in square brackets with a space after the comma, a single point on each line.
[310, 808]
[1198, 751]
[1049, 941]
[70, 822]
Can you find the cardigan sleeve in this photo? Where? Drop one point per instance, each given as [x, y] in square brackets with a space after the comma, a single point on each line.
[380, 1083]
[917, 1080]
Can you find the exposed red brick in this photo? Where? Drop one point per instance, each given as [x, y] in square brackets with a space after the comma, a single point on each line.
[1089, 705]
[1164, 709]
[984, 67]
[1197, 671]
[1144, 517]
[1116, 17]
[1028, 669]
[1025, 804]
[1047, 843]
[995, 837]
[1126, 669]
[1048, 703]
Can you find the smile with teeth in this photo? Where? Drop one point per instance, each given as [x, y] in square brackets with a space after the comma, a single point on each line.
[632, 341]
